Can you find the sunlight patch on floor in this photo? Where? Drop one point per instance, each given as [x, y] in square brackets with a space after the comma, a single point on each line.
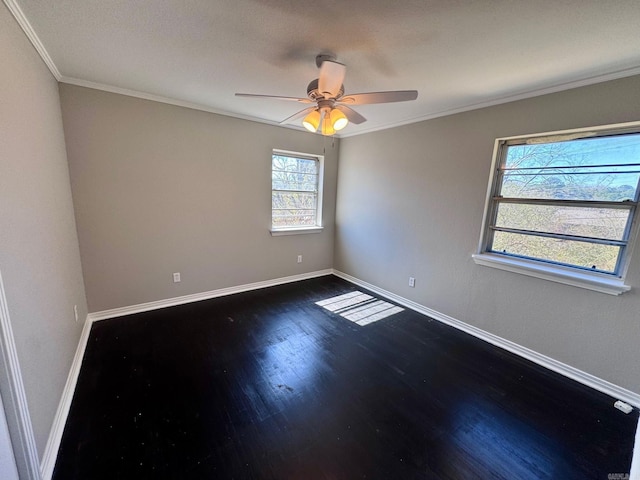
[359, 307]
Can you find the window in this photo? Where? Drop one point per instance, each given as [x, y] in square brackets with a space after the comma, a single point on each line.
[296, 198]
[562, 206]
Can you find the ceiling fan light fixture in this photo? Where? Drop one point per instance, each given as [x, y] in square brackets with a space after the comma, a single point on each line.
[327, 128]
[312, 121]
[338, 119]
[331, 110]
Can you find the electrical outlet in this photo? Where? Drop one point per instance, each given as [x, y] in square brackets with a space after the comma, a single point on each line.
[412, 282]
[299, 258]
[176, 277]
[75, 311]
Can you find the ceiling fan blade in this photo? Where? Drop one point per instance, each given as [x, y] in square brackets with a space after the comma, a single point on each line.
[292, 99]
[353, 116]
[379, 97]
[298, 115]
[331, 78]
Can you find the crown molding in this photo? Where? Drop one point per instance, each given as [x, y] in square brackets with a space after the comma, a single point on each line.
[584, 82]
[38, 45]
[592, 80]
[28, 30]
[170, 101]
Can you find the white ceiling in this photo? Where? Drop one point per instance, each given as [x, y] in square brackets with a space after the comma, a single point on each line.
[459, 54]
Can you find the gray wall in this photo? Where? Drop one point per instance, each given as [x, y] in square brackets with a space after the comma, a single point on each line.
[410, 203]
[39, 257]
[161, 189]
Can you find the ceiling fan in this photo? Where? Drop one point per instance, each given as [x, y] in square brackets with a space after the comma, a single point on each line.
[331, 110]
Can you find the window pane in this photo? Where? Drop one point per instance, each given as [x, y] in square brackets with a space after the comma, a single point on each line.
[607, 150]
[293, 200]
[581, 254]
[603, 168]
[609, 223]
[573, 185]
[292, 164]
[553, 175]
[294, 181]
[294, 191]
[293, 218]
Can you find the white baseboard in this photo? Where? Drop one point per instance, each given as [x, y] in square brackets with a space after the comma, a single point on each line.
[568, 371]
[55, 436]
[196, 297]
[53, 444]
[59, 421]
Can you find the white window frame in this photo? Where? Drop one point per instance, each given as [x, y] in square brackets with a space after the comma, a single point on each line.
[613, 284]
[317, 228]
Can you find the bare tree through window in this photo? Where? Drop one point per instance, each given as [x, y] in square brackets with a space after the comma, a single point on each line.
[568, 202]
[294, 191]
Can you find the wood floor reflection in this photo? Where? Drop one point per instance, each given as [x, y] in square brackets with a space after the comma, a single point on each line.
[268, 385]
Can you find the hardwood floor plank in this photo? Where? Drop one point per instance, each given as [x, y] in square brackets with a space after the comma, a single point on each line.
[268, 385]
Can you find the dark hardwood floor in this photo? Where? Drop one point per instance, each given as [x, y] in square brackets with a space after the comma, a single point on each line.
[268, 385]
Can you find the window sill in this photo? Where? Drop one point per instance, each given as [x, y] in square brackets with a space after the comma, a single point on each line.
[295, 231]
[554, 273]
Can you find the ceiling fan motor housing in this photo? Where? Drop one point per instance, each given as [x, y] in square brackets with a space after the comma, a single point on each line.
[332, 108]
[314, 94]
